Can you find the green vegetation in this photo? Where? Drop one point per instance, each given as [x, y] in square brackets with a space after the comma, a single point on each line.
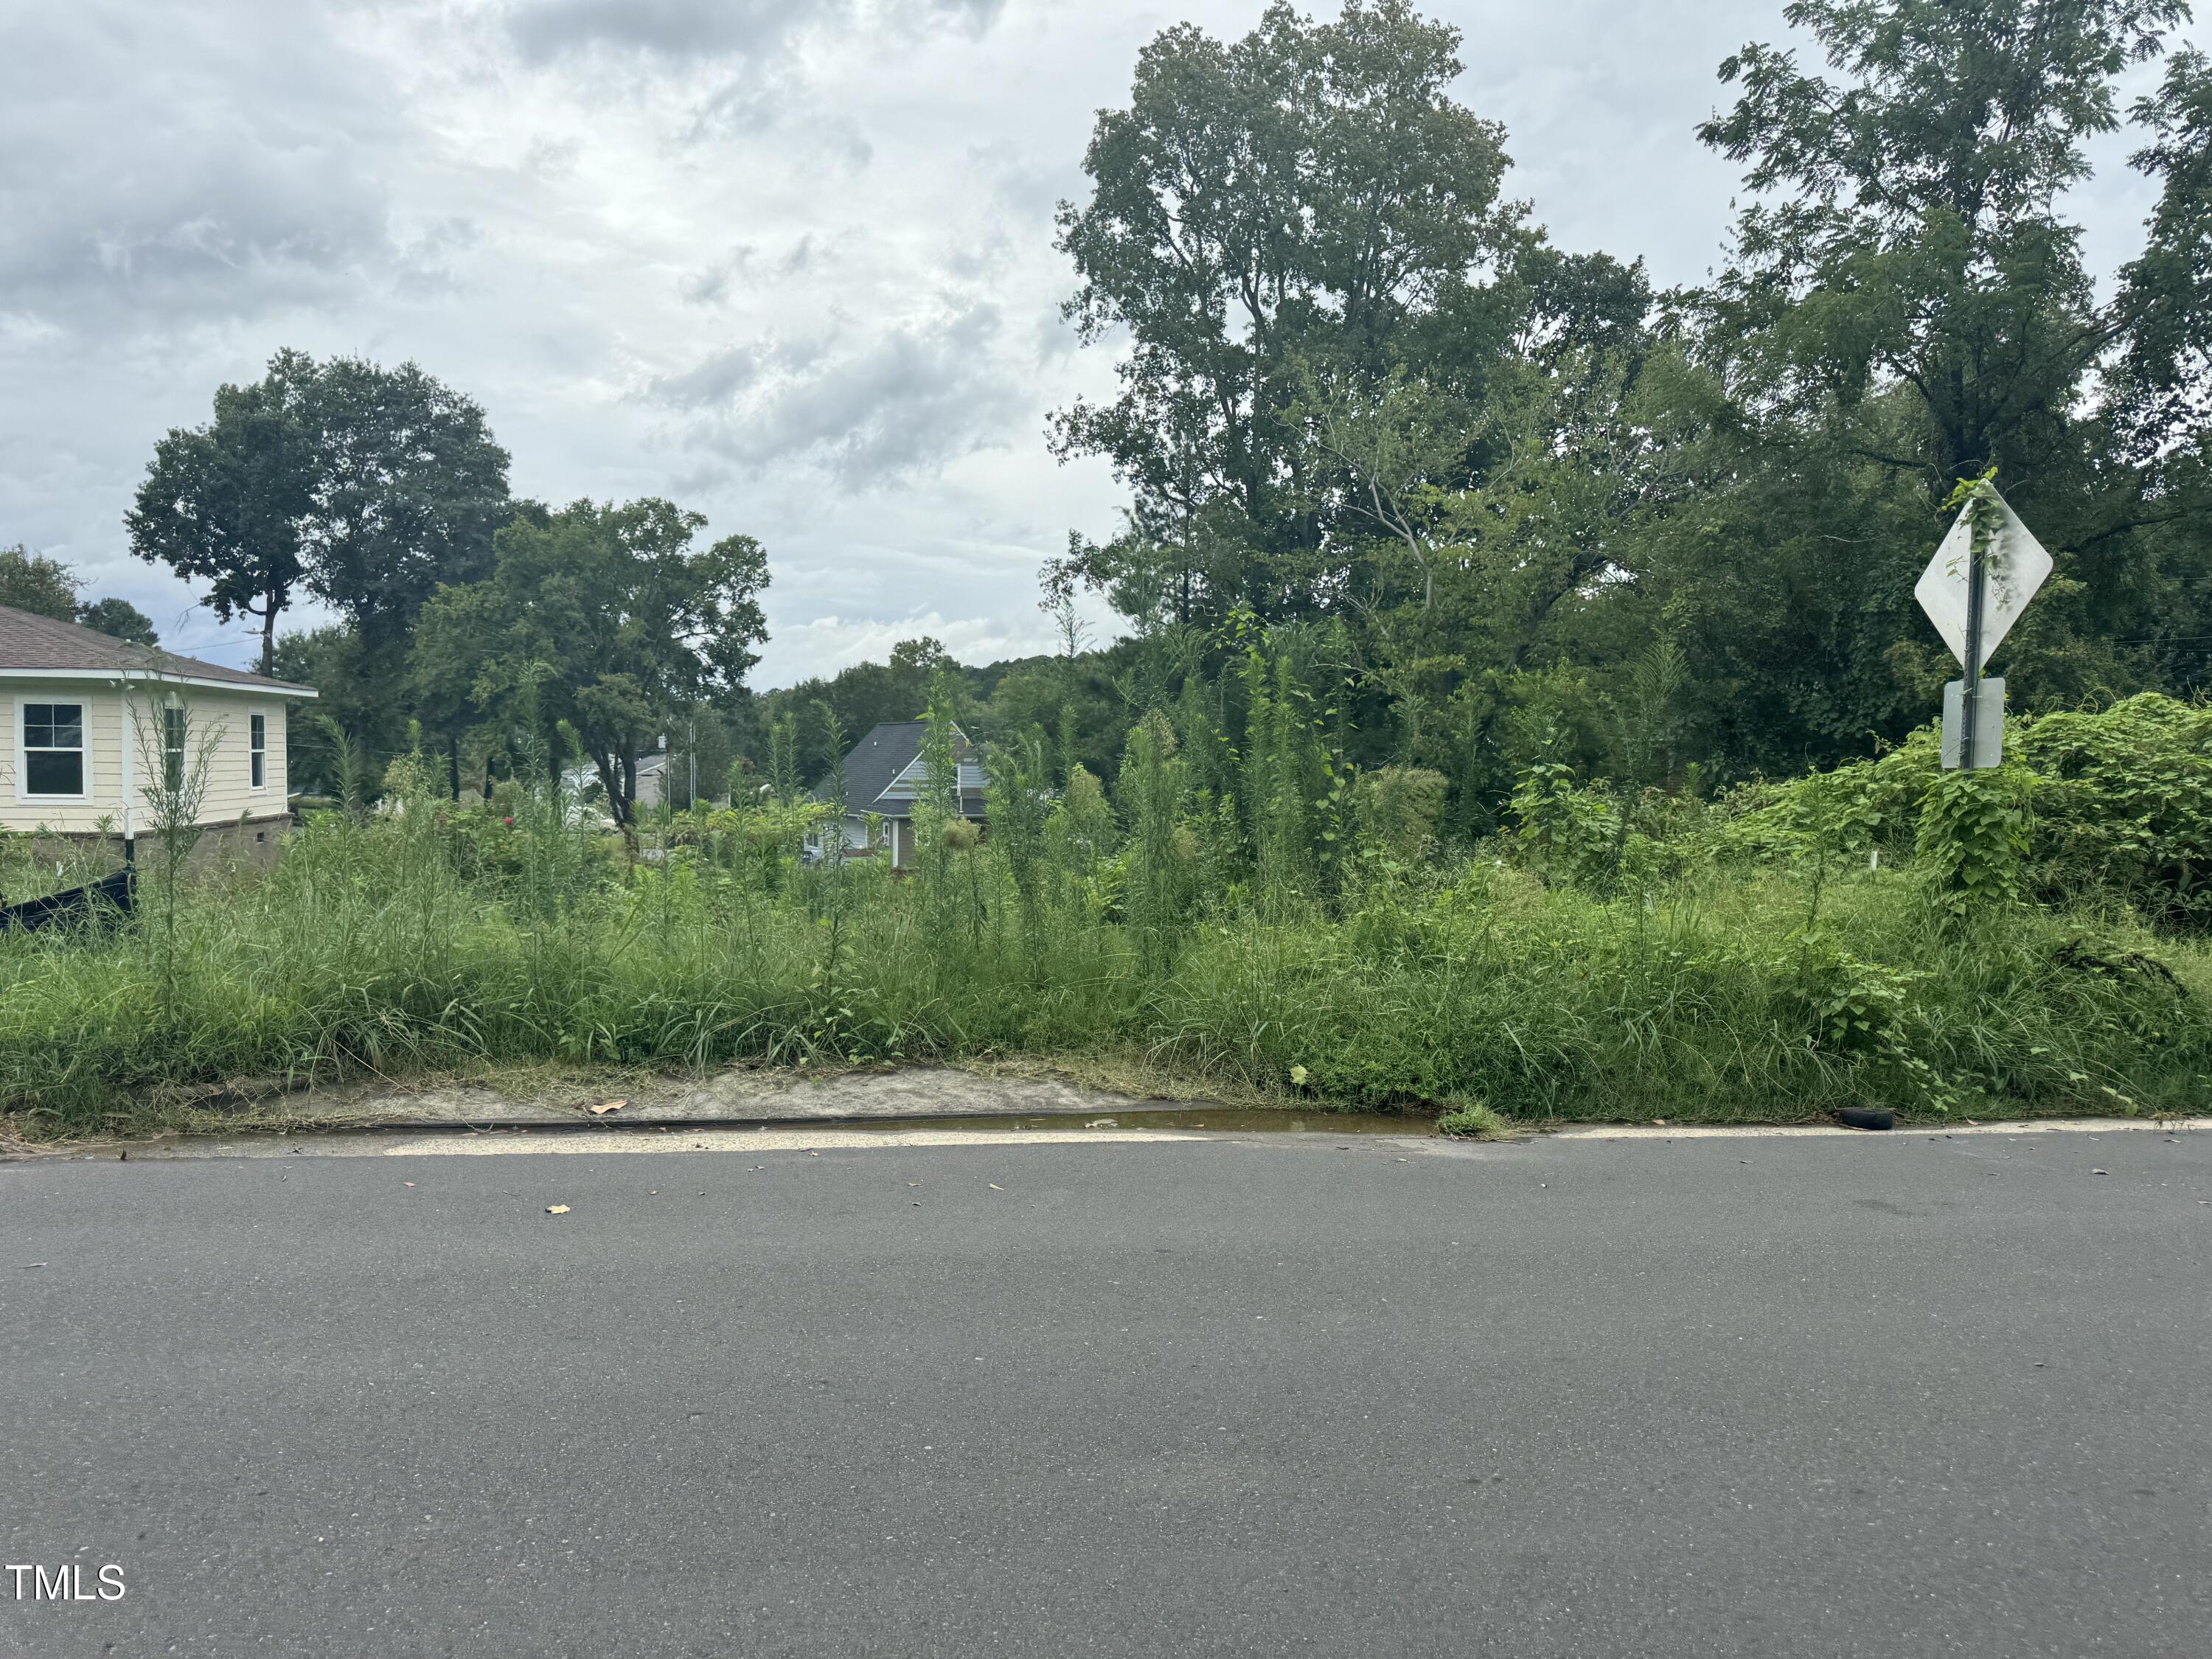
[1474, 597]
[1727, 960]
[47, 587]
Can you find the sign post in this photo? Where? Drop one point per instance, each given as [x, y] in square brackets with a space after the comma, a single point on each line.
[1977, 561]
[1982, 577]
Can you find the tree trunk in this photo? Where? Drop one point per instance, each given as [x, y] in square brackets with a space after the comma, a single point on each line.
[612, 780]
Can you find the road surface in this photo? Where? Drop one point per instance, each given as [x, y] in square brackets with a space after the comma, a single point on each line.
[1882, 1395]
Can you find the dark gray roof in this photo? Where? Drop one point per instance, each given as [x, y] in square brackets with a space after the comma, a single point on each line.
[876, 760]
[30, 640]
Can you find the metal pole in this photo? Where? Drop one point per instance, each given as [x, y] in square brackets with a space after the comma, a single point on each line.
[1969, 691]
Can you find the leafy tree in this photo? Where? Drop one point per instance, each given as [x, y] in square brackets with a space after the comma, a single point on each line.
[47, 587]
[120, 619]
[1906, 306]
[367, 486]
[410, 489]
[2165, 294]
[1310, 194]
[355, 697]
[1907, 235]
[33, 583]
[228, 503]
[603, 616]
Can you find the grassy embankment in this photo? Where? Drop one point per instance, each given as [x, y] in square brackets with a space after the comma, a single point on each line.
[1699, 989]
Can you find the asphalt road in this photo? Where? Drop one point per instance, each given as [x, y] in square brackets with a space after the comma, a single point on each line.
[1877, 1396]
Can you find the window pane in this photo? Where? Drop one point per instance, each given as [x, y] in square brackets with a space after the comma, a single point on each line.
[53, 772]
[173, 748]
[261, 731]
[260, 770]
[53, 726]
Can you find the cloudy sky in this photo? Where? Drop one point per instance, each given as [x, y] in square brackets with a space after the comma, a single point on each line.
[788, 262]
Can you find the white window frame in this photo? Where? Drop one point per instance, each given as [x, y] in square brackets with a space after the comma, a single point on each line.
[84, 704]
[252, 715]
[173, 774]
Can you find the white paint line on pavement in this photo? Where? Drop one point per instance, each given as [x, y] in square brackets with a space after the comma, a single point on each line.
[2094, 1125]
[498, 1143]
[762, 1141]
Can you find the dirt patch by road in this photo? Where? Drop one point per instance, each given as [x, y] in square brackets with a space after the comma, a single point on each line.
[741, 1095]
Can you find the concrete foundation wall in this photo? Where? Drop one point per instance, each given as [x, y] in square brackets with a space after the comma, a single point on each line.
[249, 844]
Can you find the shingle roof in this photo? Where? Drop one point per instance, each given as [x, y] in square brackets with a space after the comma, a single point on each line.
[30, 640]
[877, 760]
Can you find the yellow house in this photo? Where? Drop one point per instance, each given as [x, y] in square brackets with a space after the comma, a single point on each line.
[94, 722]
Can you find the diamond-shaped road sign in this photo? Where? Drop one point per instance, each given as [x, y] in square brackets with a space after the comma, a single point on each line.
[2013, 567]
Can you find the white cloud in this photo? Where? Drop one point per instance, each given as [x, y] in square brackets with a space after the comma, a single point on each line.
[874, 412]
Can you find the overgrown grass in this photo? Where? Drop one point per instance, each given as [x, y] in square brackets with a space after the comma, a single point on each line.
[446, 940]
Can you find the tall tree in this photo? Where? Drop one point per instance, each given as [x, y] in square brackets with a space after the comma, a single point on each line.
[2163, 385]
[410, 487]
[367, 486]
[1310, 194]
[1907, 234]
[611, 615]
[1907, 304]
[227, 503]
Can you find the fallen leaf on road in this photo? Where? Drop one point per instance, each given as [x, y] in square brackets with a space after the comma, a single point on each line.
[33, 1264]
[994, 1186]
[407, 1183]
[605, 1107]
[557, 1209]
[2101, 1172]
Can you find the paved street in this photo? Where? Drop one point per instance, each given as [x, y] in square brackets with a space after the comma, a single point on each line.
[1881, 1395]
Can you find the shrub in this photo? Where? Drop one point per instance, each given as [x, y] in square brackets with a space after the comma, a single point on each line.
[2115, 805]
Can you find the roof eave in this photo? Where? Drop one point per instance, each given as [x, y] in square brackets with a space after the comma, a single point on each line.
[157, 677]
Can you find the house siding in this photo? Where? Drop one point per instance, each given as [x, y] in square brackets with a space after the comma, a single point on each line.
[229, 796]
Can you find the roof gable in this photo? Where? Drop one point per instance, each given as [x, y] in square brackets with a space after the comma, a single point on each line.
[889, 753]
[45, 645]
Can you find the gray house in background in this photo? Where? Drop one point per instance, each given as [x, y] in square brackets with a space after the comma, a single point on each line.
[883, 772]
